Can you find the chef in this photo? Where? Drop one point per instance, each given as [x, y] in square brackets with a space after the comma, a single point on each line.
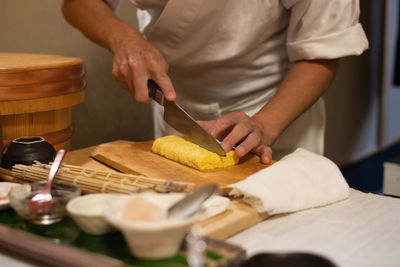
[252, 72]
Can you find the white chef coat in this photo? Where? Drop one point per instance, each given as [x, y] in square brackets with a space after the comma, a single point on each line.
[231, 55]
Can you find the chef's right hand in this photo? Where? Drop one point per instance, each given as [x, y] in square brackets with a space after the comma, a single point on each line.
[135, 62]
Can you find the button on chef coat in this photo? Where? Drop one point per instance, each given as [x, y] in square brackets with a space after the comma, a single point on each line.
[231, 55]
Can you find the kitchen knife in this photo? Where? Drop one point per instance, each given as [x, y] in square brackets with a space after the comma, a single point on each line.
[175, 116]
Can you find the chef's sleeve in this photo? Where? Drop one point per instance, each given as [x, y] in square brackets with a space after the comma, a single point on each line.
[113, 4]
[324, 29]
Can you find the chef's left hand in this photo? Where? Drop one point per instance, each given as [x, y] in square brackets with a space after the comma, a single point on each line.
[238, 129]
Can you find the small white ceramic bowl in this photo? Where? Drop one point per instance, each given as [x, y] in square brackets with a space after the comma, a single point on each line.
[5, 188]
[150, 239]
[87, 211]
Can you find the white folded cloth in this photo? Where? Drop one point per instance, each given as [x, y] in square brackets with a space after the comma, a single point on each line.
[298, 181]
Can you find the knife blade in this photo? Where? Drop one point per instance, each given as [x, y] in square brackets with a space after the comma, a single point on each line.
[181, 121]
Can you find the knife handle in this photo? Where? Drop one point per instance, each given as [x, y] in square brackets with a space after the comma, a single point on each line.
[155, 92]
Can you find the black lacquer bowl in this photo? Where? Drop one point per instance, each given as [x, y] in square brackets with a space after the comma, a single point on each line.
[25, 150]
[287, 259]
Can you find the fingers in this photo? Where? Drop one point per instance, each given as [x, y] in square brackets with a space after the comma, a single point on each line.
[121, 73]
[131, 74]
[137, 76]
[240, 131]
[221, 127]
[247, 144]
[206, 125]
[252, 143]
[166, 85]
[232, 129]
[133, 67]
[264, 152]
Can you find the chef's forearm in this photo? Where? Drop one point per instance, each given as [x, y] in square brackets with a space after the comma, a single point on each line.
[303, 85]
[97, 22]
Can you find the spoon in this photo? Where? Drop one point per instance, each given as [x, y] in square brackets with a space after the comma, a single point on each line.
[191, 203]
[42, 202]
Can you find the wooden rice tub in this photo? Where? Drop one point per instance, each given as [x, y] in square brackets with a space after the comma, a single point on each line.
[37, 93]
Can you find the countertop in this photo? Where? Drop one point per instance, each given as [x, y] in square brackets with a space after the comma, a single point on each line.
[363, 230]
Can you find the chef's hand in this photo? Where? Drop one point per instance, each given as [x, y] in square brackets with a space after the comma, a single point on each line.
[135, 62]
[238, 129]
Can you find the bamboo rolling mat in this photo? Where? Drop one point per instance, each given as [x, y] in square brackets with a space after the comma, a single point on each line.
[98, 181]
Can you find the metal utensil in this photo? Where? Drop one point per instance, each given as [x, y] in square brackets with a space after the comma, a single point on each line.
[42, 202]
[175, 116]
[191, 203]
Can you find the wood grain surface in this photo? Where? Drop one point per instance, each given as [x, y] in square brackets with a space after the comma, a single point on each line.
[237, 217]
[137, 158]
[33, 76]
[37, 92]
[11, 62]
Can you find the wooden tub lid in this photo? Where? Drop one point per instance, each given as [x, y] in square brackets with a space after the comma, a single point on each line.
[33, 76]
[11, 62]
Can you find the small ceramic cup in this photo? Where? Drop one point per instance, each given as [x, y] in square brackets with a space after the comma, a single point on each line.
[88, 212]
[150, 239]
[25, 150]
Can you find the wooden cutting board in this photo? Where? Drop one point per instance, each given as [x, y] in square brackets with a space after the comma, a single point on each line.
[238, 216]
[137, 158]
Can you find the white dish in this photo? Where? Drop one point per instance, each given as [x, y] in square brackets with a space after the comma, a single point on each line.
[211, 207]
[4, 189]
[214, 206]
[149, 239]
[88, 212]
[163, 238]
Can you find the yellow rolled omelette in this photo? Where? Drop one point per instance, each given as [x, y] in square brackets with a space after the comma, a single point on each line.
[179, 149]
